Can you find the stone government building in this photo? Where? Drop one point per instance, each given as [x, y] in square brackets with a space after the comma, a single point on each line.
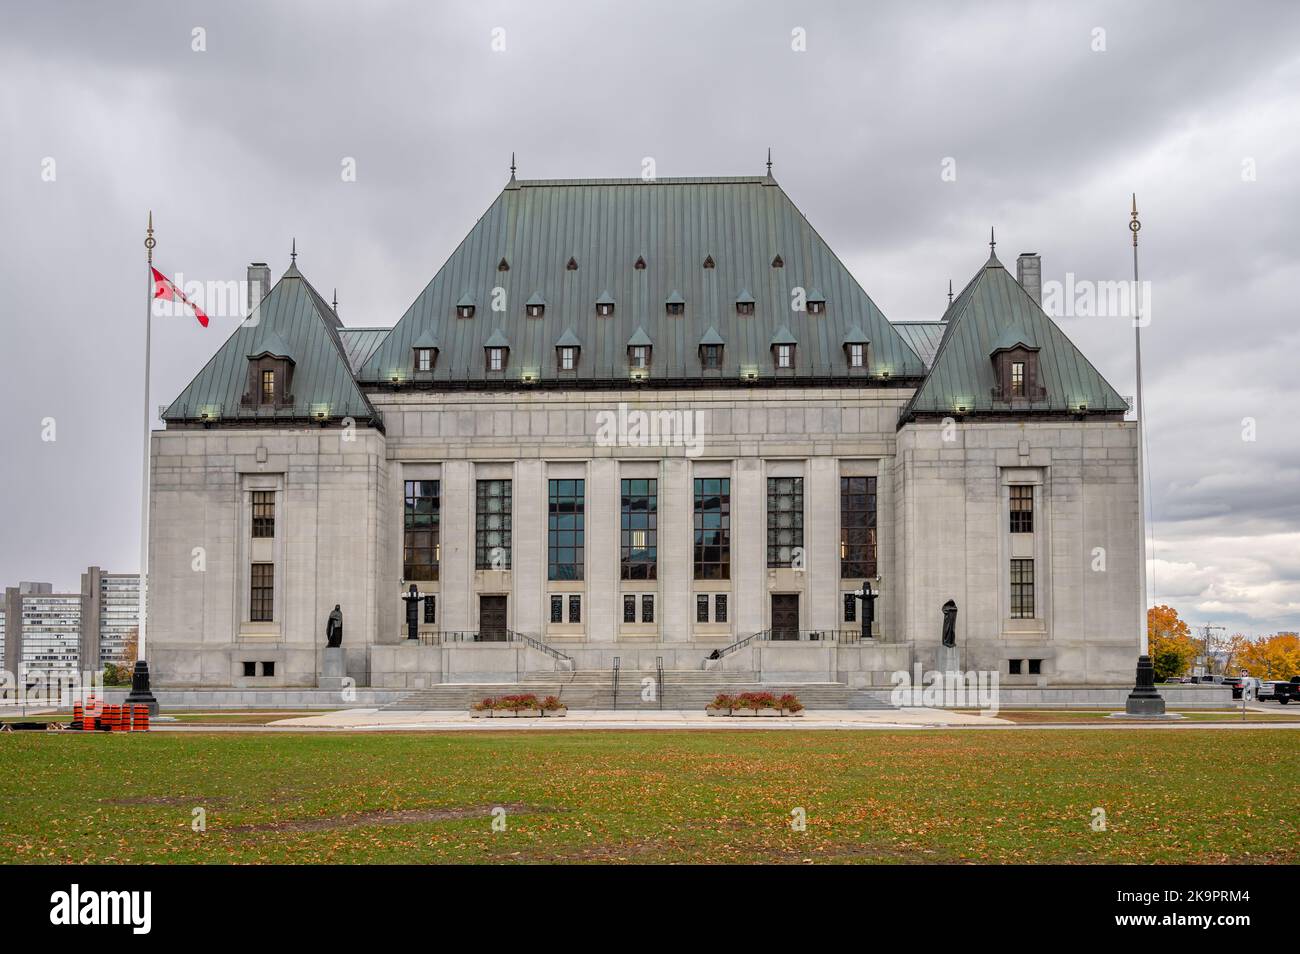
[979, 458]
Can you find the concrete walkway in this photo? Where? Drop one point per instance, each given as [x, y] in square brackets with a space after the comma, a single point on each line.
[377, 719]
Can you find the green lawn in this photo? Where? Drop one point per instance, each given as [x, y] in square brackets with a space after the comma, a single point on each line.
[893, 797]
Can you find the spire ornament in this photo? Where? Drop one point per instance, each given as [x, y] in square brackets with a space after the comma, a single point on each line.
[950, 293]
[769, 162]
[512, 166]
[149, 240]
[293, 252]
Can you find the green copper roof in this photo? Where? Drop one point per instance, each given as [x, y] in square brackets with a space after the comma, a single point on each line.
[1015, 335]
[536, 299]
[743, 223]
[674, 298]
[270, 343]
[992, 309]
[855, 335]
[605, 298]
[426, 340]
[360, 343]
[568, 340]
[782, 336]
[292, 318]
[922, 336]
[497, 340]
[639, 337]
[711, 337]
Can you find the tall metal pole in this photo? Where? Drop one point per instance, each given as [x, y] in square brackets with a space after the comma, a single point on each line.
[140, 692]
[1144, 701]
[1135, 226]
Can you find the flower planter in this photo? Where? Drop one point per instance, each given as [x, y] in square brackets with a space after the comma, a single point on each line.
[711, 711]
[559, 713]
[744, 713]
[480, 713]
[769, 713]
[797, 714]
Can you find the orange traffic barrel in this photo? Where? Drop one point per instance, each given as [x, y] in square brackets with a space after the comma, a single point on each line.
[77, 715]
[141, 718]
[114, 718]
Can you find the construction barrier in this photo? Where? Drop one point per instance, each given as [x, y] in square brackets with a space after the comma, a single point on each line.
[141, 720]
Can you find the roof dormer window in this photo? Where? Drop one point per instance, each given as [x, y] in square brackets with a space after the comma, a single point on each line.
[1017, 379]
[638, 356]
[708, 262]
[267, 393]
[815, 302]
[270, 375]
[423, 359]
[572, 265]
[639, 264]
[605, 305]
[745, 303]
[497, 358]
[503, 266]
[535, 307]
[711, 356]
[857, 354]
[855, 348]
[567, 357]
[784, 355]
[675, 304]
[465, 307]
[778, 262]
[1015, 361]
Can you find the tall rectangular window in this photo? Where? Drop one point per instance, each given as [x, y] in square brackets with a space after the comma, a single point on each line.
[575, 608]
[1017, 379]
[422, 543]
[557, 609]
[629, 608]
[431, 608]
[647, 608]
[268, 387]
[1022, 508]
[857, 527]
[702, 608]
[1022, 589]
[565, 526]
[639, 529]
[492, 525]
[784, 521]
[720, 608]
[857, 355]
[263, 513]
[712, 528]
[262, 594]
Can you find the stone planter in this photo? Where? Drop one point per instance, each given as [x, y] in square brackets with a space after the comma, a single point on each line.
[559, 713]
[711, 711]
[744, 713]
[769, 713]
[480, 713]
[528, 713]
[794, 715]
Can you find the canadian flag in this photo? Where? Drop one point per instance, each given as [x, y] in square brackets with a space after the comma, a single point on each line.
[163, 287]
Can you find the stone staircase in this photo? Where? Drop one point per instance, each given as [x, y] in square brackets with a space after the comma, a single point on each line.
[681, 689]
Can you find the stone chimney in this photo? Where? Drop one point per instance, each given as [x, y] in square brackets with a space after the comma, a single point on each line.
[259, 283]
[1029, 272]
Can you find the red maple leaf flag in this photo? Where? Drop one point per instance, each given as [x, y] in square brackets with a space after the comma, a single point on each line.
[164, 288]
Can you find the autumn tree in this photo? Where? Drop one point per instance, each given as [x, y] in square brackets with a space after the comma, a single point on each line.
[1169, 642]
[1268, 657]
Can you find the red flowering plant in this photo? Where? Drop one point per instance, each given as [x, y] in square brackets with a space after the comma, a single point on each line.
[723, 700]
[790, 703]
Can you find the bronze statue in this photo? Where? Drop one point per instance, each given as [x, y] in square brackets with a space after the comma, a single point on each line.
[950, 623]
[334, 628]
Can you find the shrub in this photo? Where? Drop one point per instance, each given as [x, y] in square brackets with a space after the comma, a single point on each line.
[487, 702]
[723, 700]
[790, 703]
[552, 703]
[756, 700]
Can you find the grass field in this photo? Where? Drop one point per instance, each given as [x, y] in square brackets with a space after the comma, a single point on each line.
[891, 797]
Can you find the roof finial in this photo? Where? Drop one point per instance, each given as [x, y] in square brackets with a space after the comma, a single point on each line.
[336, 301]
[1135, 226]
[769, 161]
[293, 252]
[950, 291]
[993, 242]
[512, 166]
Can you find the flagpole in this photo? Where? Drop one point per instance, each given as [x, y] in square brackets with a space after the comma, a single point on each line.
[1145, 700]
[140, 692]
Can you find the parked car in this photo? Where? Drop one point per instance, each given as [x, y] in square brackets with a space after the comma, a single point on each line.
[1279, 690]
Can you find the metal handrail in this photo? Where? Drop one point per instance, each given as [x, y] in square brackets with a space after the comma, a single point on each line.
[659, 667]
[738, 644]
[617, 664]
[503, 636]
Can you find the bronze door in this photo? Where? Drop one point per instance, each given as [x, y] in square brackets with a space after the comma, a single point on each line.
[492, 618]
[785, 616]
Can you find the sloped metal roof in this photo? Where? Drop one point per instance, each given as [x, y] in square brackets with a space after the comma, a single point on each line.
[963, 375]
[292, 317]
[604, 224]
[922, 336]
[360, 343]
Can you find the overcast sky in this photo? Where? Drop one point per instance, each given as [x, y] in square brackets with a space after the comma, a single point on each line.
[239, 147]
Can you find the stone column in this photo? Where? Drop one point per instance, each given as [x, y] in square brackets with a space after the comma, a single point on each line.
[528, 557]
[602, 549]
[456, 570]
[676, 550]
[748, 546]
[821, 506]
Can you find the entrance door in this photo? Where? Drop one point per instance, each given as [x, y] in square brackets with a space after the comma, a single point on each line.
[785, 615]
[492, 618]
